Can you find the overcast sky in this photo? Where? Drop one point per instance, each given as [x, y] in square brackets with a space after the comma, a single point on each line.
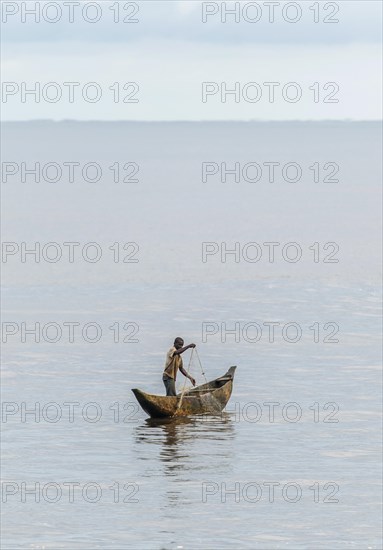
[170, 52]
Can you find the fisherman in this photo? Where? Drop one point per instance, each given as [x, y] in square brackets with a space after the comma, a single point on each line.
[173, 364]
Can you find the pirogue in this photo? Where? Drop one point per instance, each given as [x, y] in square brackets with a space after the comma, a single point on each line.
[210, 398]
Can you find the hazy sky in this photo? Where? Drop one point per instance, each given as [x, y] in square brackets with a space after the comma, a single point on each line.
[169, 52]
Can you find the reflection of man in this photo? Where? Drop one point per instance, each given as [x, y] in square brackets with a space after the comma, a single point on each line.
[173, 364]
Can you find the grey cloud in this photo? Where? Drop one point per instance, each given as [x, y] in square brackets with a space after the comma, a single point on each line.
[358, 22]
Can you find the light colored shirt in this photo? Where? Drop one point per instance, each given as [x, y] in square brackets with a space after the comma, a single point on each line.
[172, 363]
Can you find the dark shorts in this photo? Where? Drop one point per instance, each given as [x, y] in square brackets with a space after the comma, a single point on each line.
[170, 385]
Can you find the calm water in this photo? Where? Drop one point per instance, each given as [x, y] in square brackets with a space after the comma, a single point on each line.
[198, 483]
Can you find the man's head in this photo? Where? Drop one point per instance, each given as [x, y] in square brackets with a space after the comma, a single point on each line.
[178, 342]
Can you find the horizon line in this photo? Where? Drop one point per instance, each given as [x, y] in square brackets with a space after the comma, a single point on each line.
[51, 120]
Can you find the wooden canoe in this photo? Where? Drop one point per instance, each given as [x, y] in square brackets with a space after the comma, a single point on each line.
[210, 398]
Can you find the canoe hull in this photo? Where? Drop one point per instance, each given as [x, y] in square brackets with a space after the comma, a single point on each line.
[210, 398]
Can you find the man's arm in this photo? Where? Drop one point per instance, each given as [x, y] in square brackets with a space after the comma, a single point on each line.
[181, 350]
[187, 375]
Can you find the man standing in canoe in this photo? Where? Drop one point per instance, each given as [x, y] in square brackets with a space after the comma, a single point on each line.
[173, 364]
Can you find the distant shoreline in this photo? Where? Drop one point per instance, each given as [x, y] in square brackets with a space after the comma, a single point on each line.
[71, 121]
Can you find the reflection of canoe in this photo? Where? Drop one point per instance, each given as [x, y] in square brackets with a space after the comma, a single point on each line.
[210, 398]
